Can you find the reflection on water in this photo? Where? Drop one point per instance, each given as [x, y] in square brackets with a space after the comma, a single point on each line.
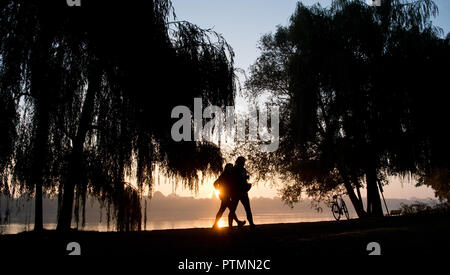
[203, 222]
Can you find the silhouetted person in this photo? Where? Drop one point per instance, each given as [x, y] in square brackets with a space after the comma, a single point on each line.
[223, 183]
[239, 192]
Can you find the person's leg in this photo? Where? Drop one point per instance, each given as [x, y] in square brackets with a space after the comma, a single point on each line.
[223, 206]
[232, 215]
[246, 203]
[235, 218]
[239, 222]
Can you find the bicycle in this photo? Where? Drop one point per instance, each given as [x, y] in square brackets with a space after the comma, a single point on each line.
[339, 208]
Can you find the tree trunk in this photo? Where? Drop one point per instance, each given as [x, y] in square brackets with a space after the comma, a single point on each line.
[357, 203]
[359, 193]
[40, 90]
[374, 207]
[76, 157]
[38, 173]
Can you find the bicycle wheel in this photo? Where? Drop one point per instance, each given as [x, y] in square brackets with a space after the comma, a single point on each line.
[336, 211]
[345, 210]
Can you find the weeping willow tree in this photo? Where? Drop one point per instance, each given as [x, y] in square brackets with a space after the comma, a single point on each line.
[362, 88]
[89, 92]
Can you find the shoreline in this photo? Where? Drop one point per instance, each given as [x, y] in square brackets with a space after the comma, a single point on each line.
[18, 228]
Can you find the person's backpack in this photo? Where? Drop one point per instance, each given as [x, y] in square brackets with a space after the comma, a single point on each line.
[243, 177]
[248, 186]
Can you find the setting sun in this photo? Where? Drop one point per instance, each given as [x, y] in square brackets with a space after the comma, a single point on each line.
[221, 223]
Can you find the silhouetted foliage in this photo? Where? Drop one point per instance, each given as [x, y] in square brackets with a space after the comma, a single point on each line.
[437, 178]
[88, 93]
[362, 89]
[425, 209]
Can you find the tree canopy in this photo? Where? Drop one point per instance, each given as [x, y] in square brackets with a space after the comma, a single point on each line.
[363, 89]
[86, 99]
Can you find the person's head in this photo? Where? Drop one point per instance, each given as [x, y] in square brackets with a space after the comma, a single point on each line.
[240, 161]
[228, 168]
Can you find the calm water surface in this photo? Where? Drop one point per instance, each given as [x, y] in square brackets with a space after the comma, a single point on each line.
[203, 222]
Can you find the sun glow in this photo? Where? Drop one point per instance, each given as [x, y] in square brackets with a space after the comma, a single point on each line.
[217, 193]
[221, 223]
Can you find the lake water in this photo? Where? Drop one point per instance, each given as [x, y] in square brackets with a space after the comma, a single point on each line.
[160, 223]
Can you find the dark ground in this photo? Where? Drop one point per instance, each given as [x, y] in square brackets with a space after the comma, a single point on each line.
[283, 244]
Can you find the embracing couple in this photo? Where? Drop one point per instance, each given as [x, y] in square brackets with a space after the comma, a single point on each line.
[234, 187]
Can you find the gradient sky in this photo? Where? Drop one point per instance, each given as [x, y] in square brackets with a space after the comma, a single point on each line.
[242, 22]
